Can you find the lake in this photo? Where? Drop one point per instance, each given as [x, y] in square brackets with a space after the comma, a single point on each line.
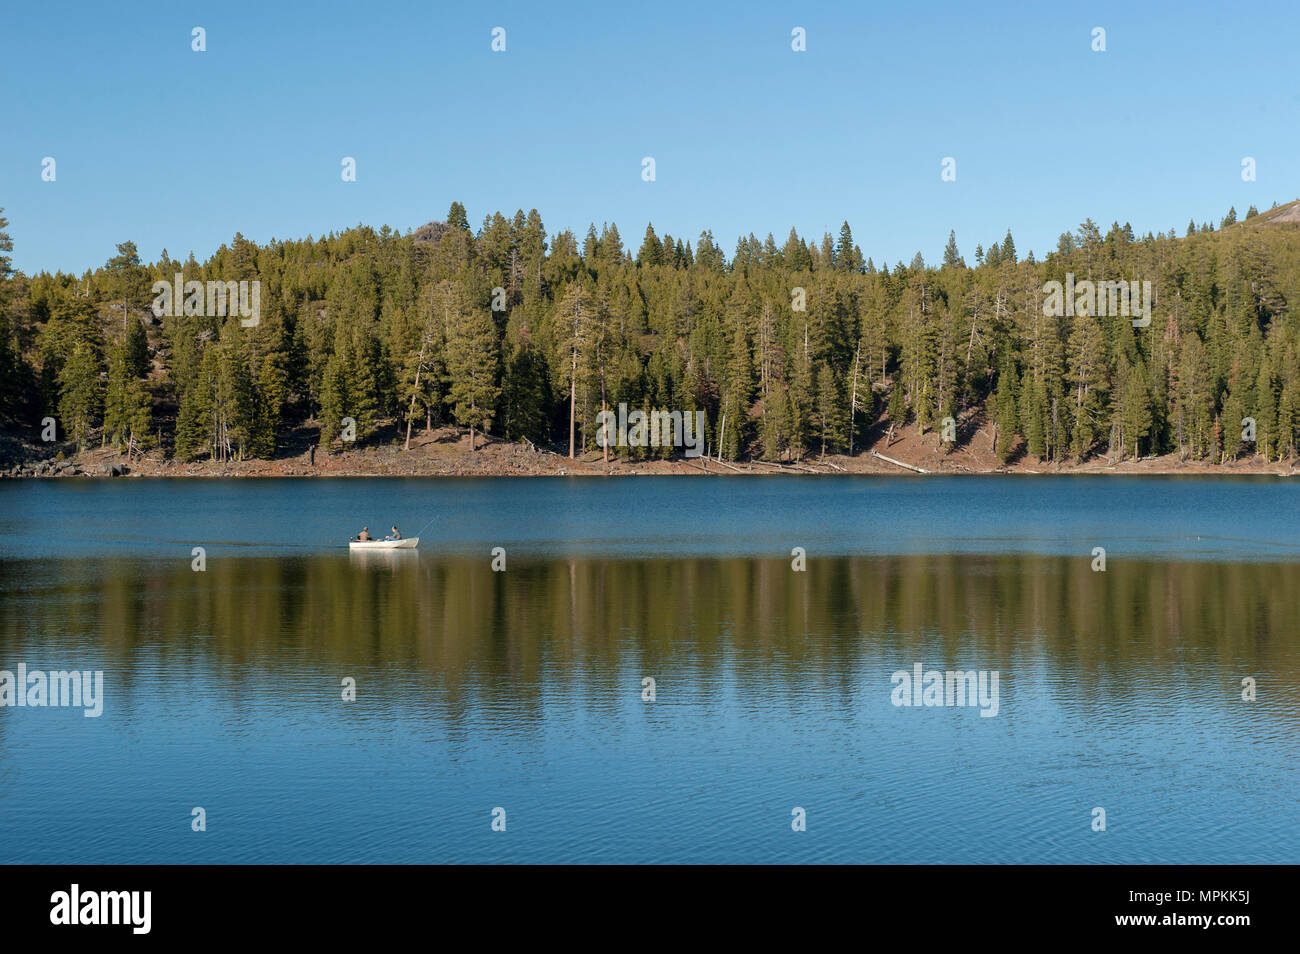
[775, 690]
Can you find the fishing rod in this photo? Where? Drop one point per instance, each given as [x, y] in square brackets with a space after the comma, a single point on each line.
[417, 533]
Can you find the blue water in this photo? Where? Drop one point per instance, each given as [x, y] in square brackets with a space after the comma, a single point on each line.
[1177, 517]
[522, 689]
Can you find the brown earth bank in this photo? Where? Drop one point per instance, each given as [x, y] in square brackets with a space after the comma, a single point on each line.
[445, 452]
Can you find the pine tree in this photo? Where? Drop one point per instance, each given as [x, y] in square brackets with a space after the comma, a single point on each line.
[1195, 398]
[1265, 413]
[523, 394]
[573, 319]
[270, 395]
[1008, 251]
[1033, 416]
[367, 387]
[800, 395]
[137, 349]
[423, 372]
[472, 366]
[652, 250]
[1006, 420]
[795, 253]
[79, 394]
[192, 420]
[920, 350]
[1086, 357]
[1234, 414]
[457, 218]
[116, 411]
[951, 257]
[233, 402]
[129, 279]
[1288, 418]
[848, 258]
[829, 419]
[1135, 410]
[897, 409]
[738, 393]
[336, 394]
[139, 417]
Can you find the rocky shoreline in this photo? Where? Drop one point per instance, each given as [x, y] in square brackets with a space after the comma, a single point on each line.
[446, 453]
[64, 468]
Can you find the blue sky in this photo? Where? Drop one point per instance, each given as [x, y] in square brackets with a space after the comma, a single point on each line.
[180, 150]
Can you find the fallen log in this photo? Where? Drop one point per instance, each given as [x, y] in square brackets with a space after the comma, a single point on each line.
[899, 463]
[788, 466]
[729, 466]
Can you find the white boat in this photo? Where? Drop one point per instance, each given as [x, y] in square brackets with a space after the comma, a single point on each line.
[410, 543]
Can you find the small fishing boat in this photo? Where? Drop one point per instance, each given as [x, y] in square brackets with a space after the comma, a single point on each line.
[410, 543]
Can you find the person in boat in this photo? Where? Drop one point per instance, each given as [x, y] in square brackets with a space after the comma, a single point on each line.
[364, 534]
[394, 535]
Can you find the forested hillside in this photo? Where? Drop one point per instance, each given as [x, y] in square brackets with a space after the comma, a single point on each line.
[803, 348]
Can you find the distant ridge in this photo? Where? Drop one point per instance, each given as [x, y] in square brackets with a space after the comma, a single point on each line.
[1288, 214]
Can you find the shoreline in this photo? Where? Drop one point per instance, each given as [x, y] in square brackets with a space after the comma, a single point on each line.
[446, 453]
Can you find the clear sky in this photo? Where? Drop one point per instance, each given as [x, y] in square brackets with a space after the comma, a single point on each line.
[180, 150]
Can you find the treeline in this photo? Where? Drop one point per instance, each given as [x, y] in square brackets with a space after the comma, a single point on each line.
[797, 349]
